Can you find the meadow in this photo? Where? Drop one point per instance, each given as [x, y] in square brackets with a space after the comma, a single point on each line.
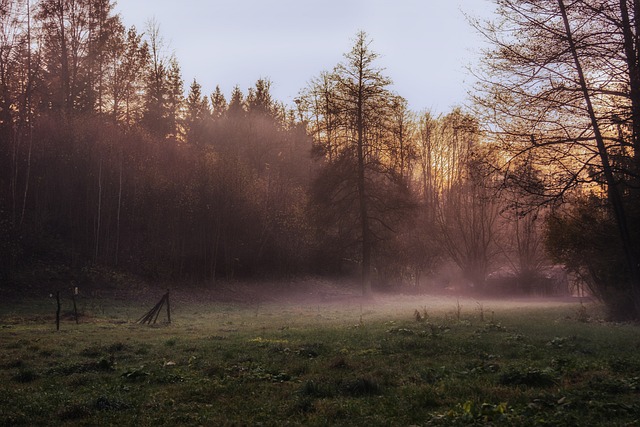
[392, 360]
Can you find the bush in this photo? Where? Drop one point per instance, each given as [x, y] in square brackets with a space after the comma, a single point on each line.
[585, 238]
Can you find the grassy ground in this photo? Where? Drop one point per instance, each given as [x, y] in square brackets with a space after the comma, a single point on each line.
[372, 362]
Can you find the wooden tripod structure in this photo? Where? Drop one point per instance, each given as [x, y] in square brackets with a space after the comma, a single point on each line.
[152, 315]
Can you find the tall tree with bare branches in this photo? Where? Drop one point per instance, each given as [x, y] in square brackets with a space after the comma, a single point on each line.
[561, 86]
[350, 120]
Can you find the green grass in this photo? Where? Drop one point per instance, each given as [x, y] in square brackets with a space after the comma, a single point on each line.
[369, 363]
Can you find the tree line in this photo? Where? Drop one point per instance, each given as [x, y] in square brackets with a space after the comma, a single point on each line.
[109, 162]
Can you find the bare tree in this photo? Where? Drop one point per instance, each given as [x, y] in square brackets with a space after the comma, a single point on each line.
[523, 215]
[562, 83]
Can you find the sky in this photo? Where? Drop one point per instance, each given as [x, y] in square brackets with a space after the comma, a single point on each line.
[424, 46]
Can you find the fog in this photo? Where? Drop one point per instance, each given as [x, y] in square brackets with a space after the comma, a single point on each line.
[342, 300]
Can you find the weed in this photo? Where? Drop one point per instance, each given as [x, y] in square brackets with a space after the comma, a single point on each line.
[316, 389]
[135, 374]
[14, 364]
[472, 413]
[91, 352]
[437, 330]
[530, 377]
[432, 375]
[609, 385]
[105, 364]
[563, 364]
[167, 378]
[104, 403]
[215, 371]
[360, 387]
[116, 347]
[311, 350]
[143, 350]
[25, 375]
[563, 342]
[74, 411]
[421, 316]
[480, 311]
[303, 405]
[582, 315]
[339, 363]
[493, 327]
[401, 331]
[515, 337]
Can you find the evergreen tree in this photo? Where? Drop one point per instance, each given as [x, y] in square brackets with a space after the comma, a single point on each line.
[75, 35]
[175, 98]
[197, 115]
[236, 109]
[127, 59]
[259, 101]
[218, 103]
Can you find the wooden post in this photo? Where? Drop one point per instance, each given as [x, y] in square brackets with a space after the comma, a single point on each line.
[75, 308]
[168, 307]
[58, 311]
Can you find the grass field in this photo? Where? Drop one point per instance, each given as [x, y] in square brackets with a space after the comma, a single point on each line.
[415, 360]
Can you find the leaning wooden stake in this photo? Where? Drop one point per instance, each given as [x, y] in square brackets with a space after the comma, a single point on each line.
[152, 315]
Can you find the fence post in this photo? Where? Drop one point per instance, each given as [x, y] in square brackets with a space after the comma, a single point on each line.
[168, 308]
[58, 311]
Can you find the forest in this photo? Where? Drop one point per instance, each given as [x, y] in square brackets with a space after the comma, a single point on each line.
[111, 163]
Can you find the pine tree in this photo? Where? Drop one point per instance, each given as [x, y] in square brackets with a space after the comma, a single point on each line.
[197, 115]
[175, 98]
[218, 104]
[236, 108]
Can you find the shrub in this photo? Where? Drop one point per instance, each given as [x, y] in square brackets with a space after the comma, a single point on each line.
[585, 239]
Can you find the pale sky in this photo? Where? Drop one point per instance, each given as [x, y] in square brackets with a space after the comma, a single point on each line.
[425, 46]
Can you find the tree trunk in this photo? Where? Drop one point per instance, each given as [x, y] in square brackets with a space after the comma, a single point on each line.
[632, 56]
[28, 116]
[119, 209]
[66, 101]
[362, 197]
[99, 213]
